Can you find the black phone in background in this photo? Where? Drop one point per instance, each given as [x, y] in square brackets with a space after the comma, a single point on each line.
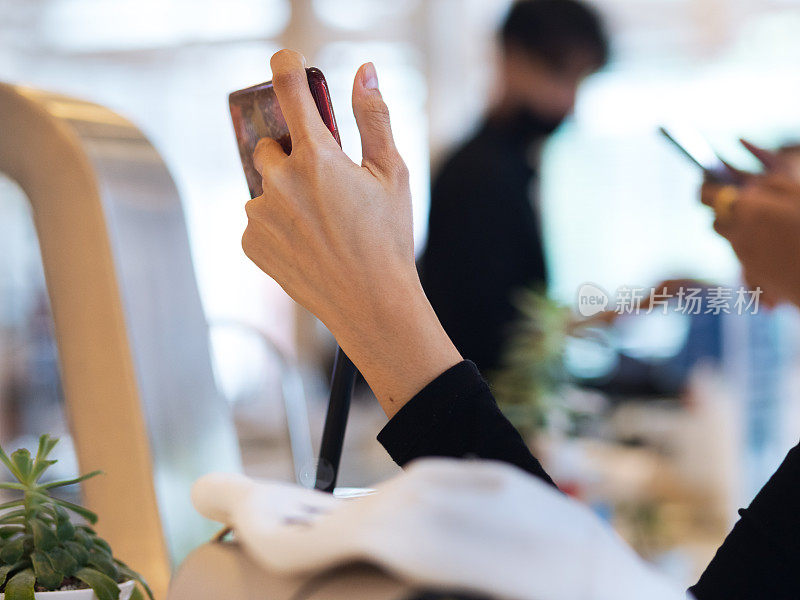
[697, 149]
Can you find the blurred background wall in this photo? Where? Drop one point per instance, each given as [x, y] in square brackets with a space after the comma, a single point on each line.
[726, 66]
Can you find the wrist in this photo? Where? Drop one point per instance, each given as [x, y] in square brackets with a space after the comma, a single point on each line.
[396, 341]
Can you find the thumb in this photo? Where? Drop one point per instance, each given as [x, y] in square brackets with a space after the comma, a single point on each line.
[372, 117]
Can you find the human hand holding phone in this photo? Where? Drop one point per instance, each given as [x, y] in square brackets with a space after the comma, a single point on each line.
[764, 232]
[338, 236]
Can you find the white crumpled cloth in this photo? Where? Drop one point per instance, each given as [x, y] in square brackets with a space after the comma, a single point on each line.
[478, 526]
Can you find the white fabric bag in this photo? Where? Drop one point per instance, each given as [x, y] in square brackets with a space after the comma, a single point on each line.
[477, 526]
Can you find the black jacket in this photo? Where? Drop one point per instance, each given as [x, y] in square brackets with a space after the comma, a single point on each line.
[484, 241]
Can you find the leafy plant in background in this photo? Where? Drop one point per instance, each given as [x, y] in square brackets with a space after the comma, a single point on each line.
[532, 369]
[41, 549]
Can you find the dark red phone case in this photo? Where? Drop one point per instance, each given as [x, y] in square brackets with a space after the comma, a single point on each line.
[256, 114]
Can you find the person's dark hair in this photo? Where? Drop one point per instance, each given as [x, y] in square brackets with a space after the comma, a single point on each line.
[555, 29]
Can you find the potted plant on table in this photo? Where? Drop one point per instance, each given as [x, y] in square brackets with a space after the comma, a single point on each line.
[44, 553]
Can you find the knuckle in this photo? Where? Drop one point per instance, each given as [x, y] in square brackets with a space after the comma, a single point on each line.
[377, 111]
[312, 150]
[304, 144]
[392, 166]
[312, 158]
[289, 80]
[401, 172]
[395, 168]
[271, 177]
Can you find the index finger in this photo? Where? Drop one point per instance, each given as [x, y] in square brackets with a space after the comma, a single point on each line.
[294, 97]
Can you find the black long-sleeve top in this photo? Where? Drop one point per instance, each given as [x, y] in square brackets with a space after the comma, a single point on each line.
[483, 227]
[456, 416]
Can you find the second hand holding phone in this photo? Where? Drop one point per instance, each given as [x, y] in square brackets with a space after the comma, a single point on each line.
[256, 114]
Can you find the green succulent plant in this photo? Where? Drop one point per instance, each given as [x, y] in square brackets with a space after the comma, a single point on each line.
[41, 548]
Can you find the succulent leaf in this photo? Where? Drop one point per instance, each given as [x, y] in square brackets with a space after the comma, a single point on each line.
[22, 461]
[131, 574]
[79, 510]
[40, 463]
[12, 504]
[12, 550]
[63, 561]
[65, 530]
[7, 531]
[4, 571]
[46, 445]
[103, 563]
[102, 545]
[78, 552]
[104, 587]
[12, 486]
[136, 594]
[44, 538]
[39, 467]
[46, 574]
[12, 516]
[9, 465]
[85, 539]
[20, 586]
[62, 483]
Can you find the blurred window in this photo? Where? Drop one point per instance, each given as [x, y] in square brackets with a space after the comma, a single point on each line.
[363, 14]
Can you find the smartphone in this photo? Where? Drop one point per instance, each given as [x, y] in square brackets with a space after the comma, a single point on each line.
[256, 114]
[697, 149]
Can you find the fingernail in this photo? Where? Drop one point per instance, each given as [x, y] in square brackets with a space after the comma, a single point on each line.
[370, 77]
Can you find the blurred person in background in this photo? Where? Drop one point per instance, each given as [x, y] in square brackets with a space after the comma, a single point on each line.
[485, 240]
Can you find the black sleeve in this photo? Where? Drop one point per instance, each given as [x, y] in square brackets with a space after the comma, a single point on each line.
[455, 415]
[759, 558]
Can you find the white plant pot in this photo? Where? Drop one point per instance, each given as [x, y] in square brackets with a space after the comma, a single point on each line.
[125, 593]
